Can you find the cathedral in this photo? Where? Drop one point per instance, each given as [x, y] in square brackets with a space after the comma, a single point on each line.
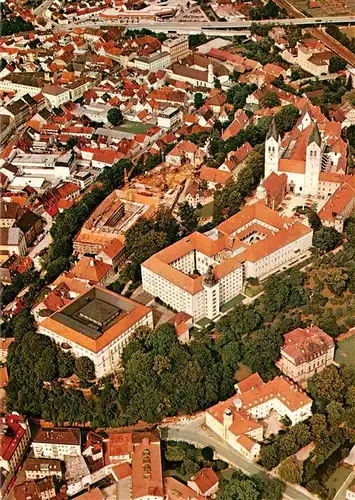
[314, 146]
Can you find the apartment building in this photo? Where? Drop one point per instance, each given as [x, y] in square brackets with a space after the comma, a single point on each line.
[56, 95]
[56, 443]
[39, 468]
[153, 63]
[178, 48]
[9, 213]
[201, 272]
[14, 440]
[12, 241]
[97, 324]
[305, 351]
[237, 420]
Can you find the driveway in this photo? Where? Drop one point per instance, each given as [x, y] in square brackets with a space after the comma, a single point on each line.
[192, 433]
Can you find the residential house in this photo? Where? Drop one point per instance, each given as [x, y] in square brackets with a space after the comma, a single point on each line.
[93, 271]
[205, 482]
[31, 225]
[185, 151]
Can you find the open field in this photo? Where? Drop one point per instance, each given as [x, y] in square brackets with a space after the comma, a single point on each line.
[345, 353]
[135, 127]
[337, 478]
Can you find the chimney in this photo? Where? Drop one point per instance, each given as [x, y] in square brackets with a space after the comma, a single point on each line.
[92, 263]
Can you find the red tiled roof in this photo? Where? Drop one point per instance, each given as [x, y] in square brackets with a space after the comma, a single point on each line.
[205, 479]
[9, 442]
[304, 344]
[90, 269]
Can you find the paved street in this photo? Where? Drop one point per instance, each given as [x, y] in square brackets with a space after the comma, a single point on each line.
[192, 433]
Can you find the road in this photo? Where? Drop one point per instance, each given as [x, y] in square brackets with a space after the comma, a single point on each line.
[331, 76]
[38, 11]
[192, 433]
[174, 26]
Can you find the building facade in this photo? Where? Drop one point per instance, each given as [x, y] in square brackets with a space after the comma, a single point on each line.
[201, 272]
[178, 48]
[97, 324]
[237, 420]
[15, 438]
[56, 443]
[305, 351]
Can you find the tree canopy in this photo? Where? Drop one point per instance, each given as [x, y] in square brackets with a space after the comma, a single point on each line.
[115, 116]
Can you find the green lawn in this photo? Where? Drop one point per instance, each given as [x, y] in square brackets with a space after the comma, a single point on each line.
[336, 480]
[177, 474]
[232, 303]
[206, 210]
[251, 291]
[204, 322]
[345, 353]
[134, 127]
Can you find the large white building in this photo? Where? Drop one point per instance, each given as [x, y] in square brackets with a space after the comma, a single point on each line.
[237, 420]
[153, 62]
[201, 272]
[98, 324]
[47, 166]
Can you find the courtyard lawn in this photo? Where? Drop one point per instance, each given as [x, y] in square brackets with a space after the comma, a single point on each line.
[134, 127]
[251, 290]
[345, 353]
[232, 303]
[204, 322]
[206, 210]
[337, 478]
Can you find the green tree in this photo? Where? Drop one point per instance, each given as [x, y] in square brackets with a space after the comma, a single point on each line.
[115, 116]
[286, 118]
[71, 143]
[274, 489]
[270, 100]
[174, 453]
[326, 239]
[198, 100]
[336, 64]
[84, 368]
[314, 220]
[190, 467]
[270, 456]
[291, 471]
[188, 217]
[326, 386]
[66, 364]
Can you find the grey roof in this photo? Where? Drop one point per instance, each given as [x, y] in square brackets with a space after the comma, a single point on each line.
[272, 132]
[315, 136]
